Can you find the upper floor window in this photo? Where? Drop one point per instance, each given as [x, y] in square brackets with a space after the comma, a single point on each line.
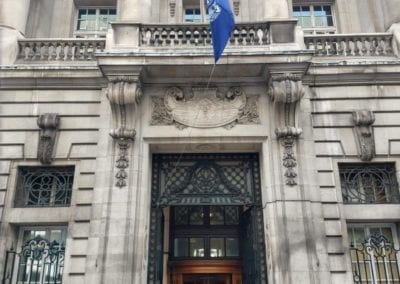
[44, 186]
[94, 22]
[369, 183]
[194, 11]
[317, 18]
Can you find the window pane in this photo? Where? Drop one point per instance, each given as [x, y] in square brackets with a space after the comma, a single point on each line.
[180, 247]
[217, 247]
[181, 215]
[196, 247]
[196, 216]
[232, 247]
[232, 215]
[216, 215]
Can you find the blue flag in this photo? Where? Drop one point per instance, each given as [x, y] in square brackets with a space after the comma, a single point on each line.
[222, 24]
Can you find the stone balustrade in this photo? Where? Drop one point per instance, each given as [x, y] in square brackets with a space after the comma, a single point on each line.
[189, 35]
[376, 44]
[49, 49]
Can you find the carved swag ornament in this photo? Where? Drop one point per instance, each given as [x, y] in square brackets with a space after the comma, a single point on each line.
[363, 120]
[286, 90]
[124, 94]
[48, 124]
[204, 108]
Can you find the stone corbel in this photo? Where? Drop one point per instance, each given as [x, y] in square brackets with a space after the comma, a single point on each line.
[363, 120]
[48, 124]
[286, 91]
[124, 93]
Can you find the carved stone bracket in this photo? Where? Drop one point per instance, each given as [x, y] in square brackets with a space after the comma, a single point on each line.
[205, 108]
[363, 120]
[48, 124]
[288, 137]
[124, 94]
[286, 90]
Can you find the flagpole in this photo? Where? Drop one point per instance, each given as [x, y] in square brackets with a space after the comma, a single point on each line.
[209, 78]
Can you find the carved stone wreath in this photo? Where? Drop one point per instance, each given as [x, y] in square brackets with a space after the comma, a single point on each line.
[206, 108]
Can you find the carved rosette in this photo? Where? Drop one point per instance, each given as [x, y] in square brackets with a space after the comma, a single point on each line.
[205, 108]
[124, 94]
[363, 120]
[286, 91]
[48, 124]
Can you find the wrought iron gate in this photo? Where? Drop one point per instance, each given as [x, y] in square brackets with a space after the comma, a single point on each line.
[208, 179]
[375, 261]
[39, 261]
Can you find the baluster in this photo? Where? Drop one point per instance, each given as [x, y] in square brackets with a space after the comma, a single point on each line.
[90, 51]
[388, 46]
[70, 51]
[363, 50]
[180, 37]
[164, 38]
[45, 53]
[379, 46]
[84, 49]
[250, 36]
[352, 46]
[369, 46]
[32, 52]
[25, 50]
[259, 36]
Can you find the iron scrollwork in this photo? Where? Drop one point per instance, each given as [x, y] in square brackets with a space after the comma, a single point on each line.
[374, 260]
[369, 183]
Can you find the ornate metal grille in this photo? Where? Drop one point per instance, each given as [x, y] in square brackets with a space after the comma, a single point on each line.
[40, 261]
[369, 183]
[44, 186]
[212, 180]
[375, 261]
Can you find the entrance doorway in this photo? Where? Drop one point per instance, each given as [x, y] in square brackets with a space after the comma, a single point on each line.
[206, 220]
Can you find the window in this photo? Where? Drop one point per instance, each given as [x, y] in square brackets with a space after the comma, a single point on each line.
[39, 257]
[94, 22]
[194, 11]
[315, 18]
[374, 256]
[44, 186]
[369, 183]
[205, 232]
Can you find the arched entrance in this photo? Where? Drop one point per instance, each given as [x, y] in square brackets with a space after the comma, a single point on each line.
[206, 220]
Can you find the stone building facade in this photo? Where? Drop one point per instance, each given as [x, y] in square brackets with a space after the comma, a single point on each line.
[125, 157]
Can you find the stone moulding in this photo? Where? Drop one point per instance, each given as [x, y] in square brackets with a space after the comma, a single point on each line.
[172, 5]
[286, 91]
[205, 108]
[124, 94]
[363, 120]
[48, 124]
[236, 6]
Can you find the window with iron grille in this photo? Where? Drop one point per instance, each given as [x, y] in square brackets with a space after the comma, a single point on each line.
[44, 186]
[369, 183]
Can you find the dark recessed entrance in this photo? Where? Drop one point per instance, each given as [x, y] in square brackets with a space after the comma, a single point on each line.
[206, 220]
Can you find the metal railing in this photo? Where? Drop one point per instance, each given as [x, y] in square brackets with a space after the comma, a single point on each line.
[49, 49]
[39, 261]
[376, 44]
[375, 261]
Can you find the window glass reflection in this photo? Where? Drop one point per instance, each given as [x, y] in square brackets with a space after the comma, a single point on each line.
[196, 247]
